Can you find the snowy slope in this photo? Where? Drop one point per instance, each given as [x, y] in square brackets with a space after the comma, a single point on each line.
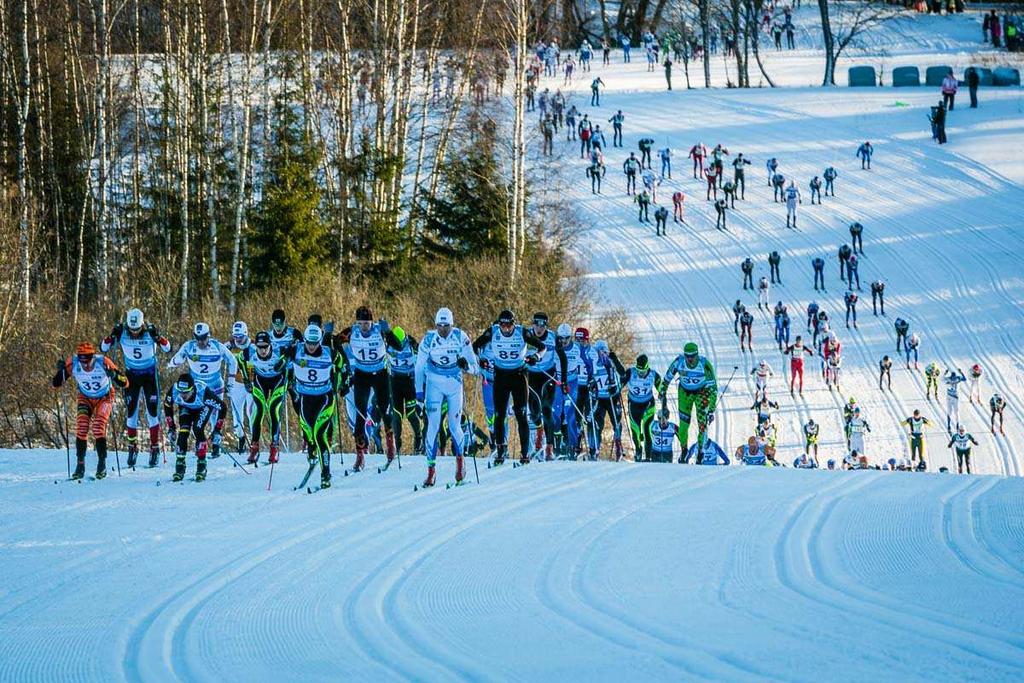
[615, 571]
[598, 571]
[942, 229]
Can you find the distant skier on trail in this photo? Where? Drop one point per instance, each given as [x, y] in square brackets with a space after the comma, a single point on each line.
[857, 237]
[953, 379]
[878, 296]
[852, 271]
[737, 311]
[779, 185]
[739, 175]
[792, 198]
[774, 259]
[850, 299]
[932, 373]
[660, 219]
[772, 165]
[746, 329]
[763, 291]
[643, 201]
[885, 372]
[677, 206]
[996, 404]
[796, 352]
[663, 435]
[830, 174]
[748, 268]
[630, 167]
[642, 383]
[974, 384]
[645, 145]
[912, 345]
[818, 264]
[711, 175]
[698, 153]
[864, 153]
[720, 210]
[902, 327]
[761, 373]
[844, 257]
[815, 187]
[916, 424]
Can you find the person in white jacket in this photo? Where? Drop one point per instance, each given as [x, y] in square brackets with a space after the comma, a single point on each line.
[444, 354]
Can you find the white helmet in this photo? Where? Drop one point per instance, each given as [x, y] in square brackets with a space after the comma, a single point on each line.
[601, 346]
[444, 317]
[564, 330]
[134, 320]
[313, 334]
[201, 331]
[239, 329]
[763, 362]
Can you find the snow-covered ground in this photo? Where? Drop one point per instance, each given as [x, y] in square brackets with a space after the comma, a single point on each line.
[598, 571]
[615, 571]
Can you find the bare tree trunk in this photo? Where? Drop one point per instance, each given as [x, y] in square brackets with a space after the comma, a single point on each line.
[705, 26]
[239, 143]
[183, 123]
[204, 68]
[829, 44]
[102, 84]
[25, 101]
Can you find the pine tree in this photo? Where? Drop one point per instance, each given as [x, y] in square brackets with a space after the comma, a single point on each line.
[289, 237]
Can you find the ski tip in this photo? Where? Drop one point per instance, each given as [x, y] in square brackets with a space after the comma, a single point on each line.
[447, 487]
[346, 473]
[309, 490]
[415, 488]
[379, 470]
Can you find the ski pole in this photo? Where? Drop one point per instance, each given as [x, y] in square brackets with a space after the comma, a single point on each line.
[117, 455]
[64, 420]
[271, 480]
[729, 381]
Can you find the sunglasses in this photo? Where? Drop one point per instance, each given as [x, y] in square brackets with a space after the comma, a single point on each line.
[540, 323]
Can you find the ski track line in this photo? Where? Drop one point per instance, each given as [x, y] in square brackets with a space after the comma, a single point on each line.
[380, 648]
[982, 522]
[983, 642]
[196, 592]
[420, 638]
[382, 528]
[959, 522]
[555, 584]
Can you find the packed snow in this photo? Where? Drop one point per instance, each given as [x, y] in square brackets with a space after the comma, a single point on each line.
[622, 571]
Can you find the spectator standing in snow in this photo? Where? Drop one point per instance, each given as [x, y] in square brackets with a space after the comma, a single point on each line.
[949, 87]
[938, 119]
[971, 77]
[668, 71]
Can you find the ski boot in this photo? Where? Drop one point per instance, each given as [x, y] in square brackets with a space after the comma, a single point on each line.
[201, 469]
[499, 457]
[429, 481]
[215, 451]
[254, 453]
[360, 458]
[618, 449]
[549, 453]
[273, 452]
[243, 444]
[460, 469]
[179, 467]
[80, 469]
[133, 453]
[389, 441]
[101, 466]
[325, 477]
[154, 455]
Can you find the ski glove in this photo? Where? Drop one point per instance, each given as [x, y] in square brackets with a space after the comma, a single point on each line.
[153, 332]
[462, 363]
[711, 418]
[532, 359]
[216, 430]
[116, 331]
[419, 397]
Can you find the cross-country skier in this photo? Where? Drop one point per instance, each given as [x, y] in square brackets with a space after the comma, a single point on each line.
[974, 384]
[844, 255]
[665, 154]
[139, 343]
[596, 172]
[587, 392]
[857, 427]
[444, 354]
[368, 344]
[792, 198]
[857, 237]
[677, 206]
[663, 436]
[570, 122]
[403, 388]
[711, 176]
[737, 311]
[885, 371]
[197, 406]
[746, 329]
[631, 167]
[315, 373]
[610, 376]
[850, 299]
[747, 266]
[206, 358]
[864, 153]
[848, 409]
[961, 445]
[242, 405]
[282, 335]
[595, 92]
[660, 220]
[729, 189]
[811, 430]
[805, 461]
[772, 165]
[830, 176]
[642, 384]
[720, 210]
[756, 453]
[698, 392]
[796, 352]
[902, 327]
[774, 259]
[916, 424]
[812, 315]
[931, 380]
[953, 378]
[577, 371]
[815, 187]
[616, 120]
[852, 271]
[762, 293]
[643, 201]
[651, 182]
[645, 145]
[513, 347]
[542, 385]
[912, 344]
[996, 404]
[782, 327]
[95, 376]
[833, 355]
[761, 373]
[818, 264]
[718, 155]
[779, 185]
[264, 369]
[877, 296]
[698, 153]
[738, 176]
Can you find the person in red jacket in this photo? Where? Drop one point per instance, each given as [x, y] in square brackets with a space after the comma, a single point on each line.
[796, 352]
[711, 174]
[949, 88]
[677, 206]
[96, 376]
[698, 152]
